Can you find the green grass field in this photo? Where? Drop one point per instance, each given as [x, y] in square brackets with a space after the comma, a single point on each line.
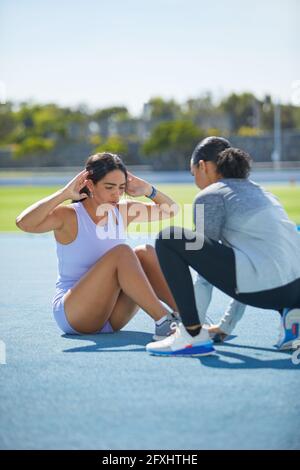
[13, 199]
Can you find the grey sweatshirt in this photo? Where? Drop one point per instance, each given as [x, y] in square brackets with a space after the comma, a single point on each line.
[249, 219]
[241, 214]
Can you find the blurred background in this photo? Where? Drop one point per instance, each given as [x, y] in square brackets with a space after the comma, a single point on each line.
[146, 80]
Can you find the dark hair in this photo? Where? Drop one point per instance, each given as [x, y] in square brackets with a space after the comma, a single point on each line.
[209, 149]
[230, 162]
[234, 163]
[99, 165]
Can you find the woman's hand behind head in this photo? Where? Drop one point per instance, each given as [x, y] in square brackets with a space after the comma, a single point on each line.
[73, 188]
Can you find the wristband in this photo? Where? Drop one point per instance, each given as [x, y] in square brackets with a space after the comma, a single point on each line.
[153, 193]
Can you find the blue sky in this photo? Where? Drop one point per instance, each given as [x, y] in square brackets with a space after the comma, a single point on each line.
[102, 52]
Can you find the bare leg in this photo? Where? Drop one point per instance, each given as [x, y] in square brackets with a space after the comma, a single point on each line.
[90, 303]
[125, 308]
[149, 261]
[123, 311]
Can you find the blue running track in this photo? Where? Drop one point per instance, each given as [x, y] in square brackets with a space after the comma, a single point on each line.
[106, 392]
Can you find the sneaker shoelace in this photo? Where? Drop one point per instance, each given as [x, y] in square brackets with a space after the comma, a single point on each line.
[175, 316]
[175, 327]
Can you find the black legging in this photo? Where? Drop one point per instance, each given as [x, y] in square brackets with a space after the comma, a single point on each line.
[216, 263]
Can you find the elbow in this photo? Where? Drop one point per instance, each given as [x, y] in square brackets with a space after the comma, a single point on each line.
[20, 224]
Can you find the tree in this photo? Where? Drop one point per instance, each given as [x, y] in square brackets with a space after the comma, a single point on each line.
[7, 122]
[43, 120]
[174, 141]
[290, 115]
[243, 109]
[163, 110]
[33, 145]
[202, 105]
[114, 144]
[106, 113]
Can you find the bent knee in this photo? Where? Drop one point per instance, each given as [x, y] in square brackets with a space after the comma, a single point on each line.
[144, 251]
[121, 250]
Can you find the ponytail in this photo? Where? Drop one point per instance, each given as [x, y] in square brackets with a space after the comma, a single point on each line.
[234, 163]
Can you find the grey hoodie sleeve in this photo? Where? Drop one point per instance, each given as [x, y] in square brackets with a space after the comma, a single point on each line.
[233, 314]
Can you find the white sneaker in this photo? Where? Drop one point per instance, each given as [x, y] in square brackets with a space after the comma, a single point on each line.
[164, 330]
[181, 343]
[289, 329]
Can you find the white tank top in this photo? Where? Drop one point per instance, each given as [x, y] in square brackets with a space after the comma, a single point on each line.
[91, 243]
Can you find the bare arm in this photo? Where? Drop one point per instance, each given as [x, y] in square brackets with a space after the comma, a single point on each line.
[162, 207]
[47, 214]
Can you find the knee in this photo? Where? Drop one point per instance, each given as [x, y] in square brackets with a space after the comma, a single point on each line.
[122, 250]
[144, 252]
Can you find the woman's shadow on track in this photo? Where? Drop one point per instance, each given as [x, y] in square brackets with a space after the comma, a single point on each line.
[122, 341]
[225, 358]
